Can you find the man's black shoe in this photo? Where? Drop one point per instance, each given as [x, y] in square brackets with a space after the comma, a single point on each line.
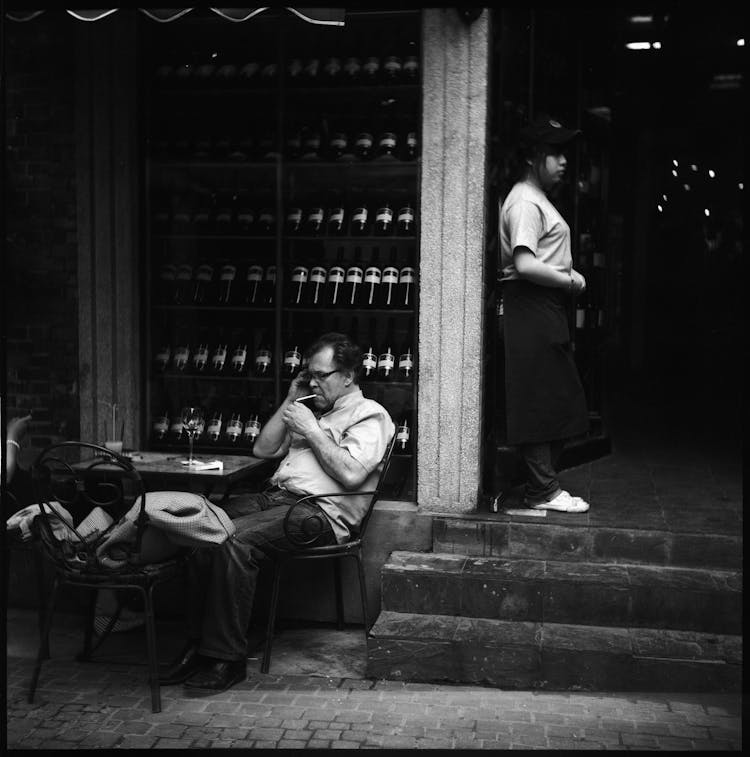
[183, 666]
[218, 675]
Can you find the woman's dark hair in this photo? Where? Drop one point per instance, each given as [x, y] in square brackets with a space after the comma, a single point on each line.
[525, 151]
[346, 354]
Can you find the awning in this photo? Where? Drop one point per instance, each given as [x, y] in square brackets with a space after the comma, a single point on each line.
[321, 16]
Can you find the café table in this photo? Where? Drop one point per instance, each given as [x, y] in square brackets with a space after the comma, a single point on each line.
[167, 471]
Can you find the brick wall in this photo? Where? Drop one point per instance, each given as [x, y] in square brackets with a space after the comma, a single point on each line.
[41, 251]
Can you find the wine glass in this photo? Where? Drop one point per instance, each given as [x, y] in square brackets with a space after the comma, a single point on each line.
[192, 422]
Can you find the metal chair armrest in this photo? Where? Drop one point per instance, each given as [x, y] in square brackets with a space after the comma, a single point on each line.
[308, 499]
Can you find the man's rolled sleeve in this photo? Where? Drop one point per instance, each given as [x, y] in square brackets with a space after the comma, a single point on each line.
[367, 440]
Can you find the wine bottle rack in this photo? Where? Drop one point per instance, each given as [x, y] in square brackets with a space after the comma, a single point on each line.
[250, 165]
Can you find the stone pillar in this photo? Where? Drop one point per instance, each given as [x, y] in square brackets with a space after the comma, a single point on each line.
[452, 269]
[108, 256]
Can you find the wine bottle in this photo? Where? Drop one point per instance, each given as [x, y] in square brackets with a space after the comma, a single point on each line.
[369, 356]
[332, 71]
[293, 220]
[266, 223]
[313, 221]
[203, 290]
[294, 72]
[239, 353]
[252, 429]
[387, 146]
[213, 430]
[317, 285]
[410, 69]
[226, 279]
[336, 217]
[245, 223]
[392, 68]
[248, 73]
[389, 281]
[410, 146]
[269, 286]
[202, 214]
[352, 70]
[403, 434]
[183, 283]
[167, 282]
[311, 71]
[363, 145]
[294, 143]
[406, 282]
[233, 430]
[298, 285]
[162, 356]
[292, 360]
[225, 206]
[405, 221]
[353, 281]
[360, 225]
[176, 429]
[405, 365]
[254, 279]
[373, 279]
[219, 356]
[386, 358]
[338, 144]
[160, 427]
[200, 353]
[310, 144]
[335, 282]
[383, 220]
[263, 357]
[181, 354]
[371, 70]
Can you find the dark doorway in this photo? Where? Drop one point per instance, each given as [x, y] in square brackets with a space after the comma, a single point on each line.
[664, 128]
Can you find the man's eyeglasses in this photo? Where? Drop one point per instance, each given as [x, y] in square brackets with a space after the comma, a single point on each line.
[321, 375]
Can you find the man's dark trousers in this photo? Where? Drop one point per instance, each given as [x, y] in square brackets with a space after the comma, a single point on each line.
[222, 580]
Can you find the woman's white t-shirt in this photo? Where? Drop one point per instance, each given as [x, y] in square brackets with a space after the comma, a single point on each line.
[529, 219]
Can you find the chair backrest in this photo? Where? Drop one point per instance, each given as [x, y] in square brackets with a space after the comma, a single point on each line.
[70, 480]
[378, 487]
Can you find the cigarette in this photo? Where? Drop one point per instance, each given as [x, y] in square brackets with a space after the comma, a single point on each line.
[306, 397]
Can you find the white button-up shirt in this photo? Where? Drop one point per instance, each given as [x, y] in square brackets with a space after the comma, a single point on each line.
[361, 426]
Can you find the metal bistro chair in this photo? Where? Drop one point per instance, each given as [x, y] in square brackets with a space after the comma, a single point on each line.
[335, 552]
[81, 476]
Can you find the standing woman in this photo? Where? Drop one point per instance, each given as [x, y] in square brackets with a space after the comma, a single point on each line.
[544, 396]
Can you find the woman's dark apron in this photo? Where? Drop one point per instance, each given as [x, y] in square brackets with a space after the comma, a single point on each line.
[545, 400]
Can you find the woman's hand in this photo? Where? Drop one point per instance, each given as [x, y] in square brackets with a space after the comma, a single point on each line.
[578, 282]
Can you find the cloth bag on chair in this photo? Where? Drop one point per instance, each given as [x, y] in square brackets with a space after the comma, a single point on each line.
[179, 519]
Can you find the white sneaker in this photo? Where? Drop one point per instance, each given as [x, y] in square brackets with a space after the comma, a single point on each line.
[564, 502]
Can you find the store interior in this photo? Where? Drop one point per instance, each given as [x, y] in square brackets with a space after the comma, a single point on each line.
[654, 200]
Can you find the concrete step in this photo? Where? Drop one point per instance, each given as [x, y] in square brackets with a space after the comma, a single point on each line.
[557, 591]
[552, 656]
[710, 539]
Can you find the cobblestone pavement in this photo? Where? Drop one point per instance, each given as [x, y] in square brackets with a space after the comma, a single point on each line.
[106, 705]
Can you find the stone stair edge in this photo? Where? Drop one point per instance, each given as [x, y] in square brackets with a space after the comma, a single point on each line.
[498, 519]
[561, 569]
[643, 643]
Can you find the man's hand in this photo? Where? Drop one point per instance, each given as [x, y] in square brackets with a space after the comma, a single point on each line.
[300, 418]
[299, 387]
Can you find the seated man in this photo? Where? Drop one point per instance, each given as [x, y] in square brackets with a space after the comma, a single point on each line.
[336, 447]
